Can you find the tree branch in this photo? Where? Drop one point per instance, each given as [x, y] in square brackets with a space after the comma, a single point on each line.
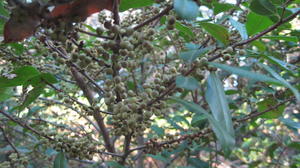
[24, 125]
[9, 141]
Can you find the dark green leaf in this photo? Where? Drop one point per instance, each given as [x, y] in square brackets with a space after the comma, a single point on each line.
[186, 9]
[263, 7]
[21, 76]
[184, 31]
[32, 96]
[128, 4]
[60, 161]
[256, 23]
[295, 145]
[188, 83]
[197, 163]
[221, 7]
[247, 74]
[217, 31]
[199, 120]
[5, 93]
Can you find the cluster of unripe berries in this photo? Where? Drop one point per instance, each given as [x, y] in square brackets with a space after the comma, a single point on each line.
[16, 161]
[75, 147]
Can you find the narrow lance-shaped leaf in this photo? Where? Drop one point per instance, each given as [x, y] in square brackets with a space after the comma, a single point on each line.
[241, 28]
[226, 139]
[245, 73]
[282, 81]
[191, 55]
[60, 161]
[32, 96]
[217, 102]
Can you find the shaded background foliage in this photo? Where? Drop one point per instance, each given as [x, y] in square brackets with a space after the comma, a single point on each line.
[178, 83]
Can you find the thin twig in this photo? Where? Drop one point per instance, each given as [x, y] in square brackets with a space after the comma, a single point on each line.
[162, 13]
[24, 125]
[9, 141]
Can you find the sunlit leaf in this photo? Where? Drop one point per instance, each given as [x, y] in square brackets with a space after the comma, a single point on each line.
[256, 23]
[19, 76]
[217, 31]
[128, 4]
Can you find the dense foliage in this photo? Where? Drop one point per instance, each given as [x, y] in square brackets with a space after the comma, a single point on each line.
[149, 83]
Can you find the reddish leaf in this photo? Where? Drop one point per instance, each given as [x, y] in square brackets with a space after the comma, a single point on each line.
[21, 26]
[81, 8]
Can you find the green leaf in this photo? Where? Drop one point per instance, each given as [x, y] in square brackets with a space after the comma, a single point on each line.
[284, 65]
[265, 104]
[217, 31]
[246, 74]
[263, 7]
[198, 120]
[45, 78]
[191, 55]
[159, 157]
[128, 4]
[260, 45]
[285, 38]
[60, 161]
[241, 28]
[290, 123]
[186, 9]
[33, 110]
[198, 163]
[282, 81]
[22, 75]
[184, 31]
[32, 96]
[221, 7]
[188, 83]
[226, 140]
[114, 164]
[216, 99]
[5, 93]
[295, 145]
[158, 130]
[256, 23]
